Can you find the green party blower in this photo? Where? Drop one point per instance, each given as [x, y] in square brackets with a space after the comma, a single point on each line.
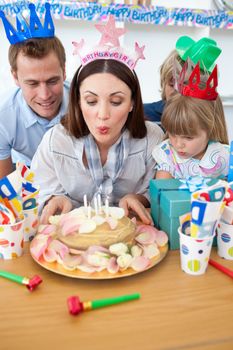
[31, 284]
[75, 306]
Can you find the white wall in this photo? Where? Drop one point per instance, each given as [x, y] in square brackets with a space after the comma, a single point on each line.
[159, 41]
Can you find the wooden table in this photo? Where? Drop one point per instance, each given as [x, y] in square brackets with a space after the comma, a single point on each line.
[176, 310]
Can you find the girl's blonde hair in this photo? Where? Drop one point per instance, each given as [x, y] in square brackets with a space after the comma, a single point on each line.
[184, 115]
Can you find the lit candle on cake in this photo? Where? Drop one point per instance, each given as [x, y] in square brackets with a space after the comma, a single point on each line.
[106, 207]
[96, 206]
[85, 203]
[89, 212]
[99, 203]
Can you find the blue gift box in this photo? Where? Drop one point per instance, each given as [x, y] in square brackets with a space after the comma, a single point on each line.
[168, 202]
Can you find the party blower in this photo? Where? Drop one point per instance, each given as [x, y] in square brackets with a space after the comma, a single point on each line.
[31, 283]
[76, 306]
[221, 268]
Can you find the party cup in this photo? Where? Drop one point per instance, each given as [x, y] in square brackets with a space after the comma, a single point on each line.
[31, 223]
[225, 240]
[227, 215]
[194, 253]
[207, 206]
[205, 217]
[11, 240]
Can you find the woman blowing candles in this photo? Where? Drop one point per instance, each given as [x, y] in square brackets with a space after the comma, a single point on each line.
[103, 144]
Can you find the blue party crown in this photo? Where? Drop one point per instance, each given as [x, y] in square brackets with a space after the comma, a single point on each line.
[34, 29]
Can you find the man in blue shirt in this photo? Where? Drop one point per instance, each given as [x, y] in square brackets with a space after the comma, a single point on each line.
[39, 102]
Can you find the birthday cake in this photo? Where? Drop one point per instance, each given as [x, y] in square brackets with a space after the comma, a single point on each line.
[92, 242]
[79, 232]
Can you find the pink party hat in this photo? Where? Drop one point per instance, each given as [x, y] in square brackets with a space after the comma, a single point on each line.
[109, 47]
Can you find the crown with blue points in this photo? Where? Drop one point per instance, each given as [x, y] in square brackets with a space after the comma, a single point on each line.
[33, 29]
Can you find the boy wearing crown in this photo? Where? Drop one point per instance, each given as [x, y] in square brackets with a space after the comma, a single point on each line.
[37, 60]
[205, 51]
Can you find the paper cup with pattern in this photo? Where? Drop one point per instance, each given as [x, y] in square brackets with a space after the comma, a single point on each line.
[207, 206]
[225, 240]
[194, 253]
[227, 215]
[11, 240]
[31, 223]
[205, 217]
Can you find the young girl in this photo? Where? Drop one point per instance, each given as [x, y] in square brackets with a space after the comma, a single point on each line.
[196, 141]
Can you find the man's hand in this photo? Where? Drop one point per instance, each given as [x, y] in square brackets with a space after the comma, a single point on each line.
[6, 167]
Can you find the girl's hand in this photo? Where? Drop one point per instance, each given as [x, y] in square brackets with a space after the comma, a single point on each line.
[56, 205]
[135, 202]
[160, 174]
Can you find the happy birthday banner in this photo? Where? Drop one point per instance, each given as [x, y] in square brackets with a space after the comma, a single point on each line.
[93, 11]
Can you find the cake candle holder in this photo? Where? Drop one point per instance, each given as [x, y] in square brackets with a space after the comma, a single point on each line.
[76, 306]
[30, 283]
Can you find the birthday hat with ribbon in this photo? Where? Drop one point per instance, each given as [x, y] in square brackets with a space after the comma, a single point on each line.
[109, 47]
[205, 51]
[33, 29]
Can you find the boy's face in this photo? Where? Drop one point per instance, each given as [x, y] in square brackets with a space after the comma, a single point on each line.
[169, 89]
[41, 81]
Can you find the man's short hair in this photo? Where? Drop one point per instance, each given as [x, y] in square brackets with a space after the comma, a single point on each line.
[37, 48]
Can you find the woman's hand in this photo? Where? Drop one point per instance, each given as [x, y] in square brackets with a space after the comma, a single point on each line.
[136, 203]
[55, 205]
